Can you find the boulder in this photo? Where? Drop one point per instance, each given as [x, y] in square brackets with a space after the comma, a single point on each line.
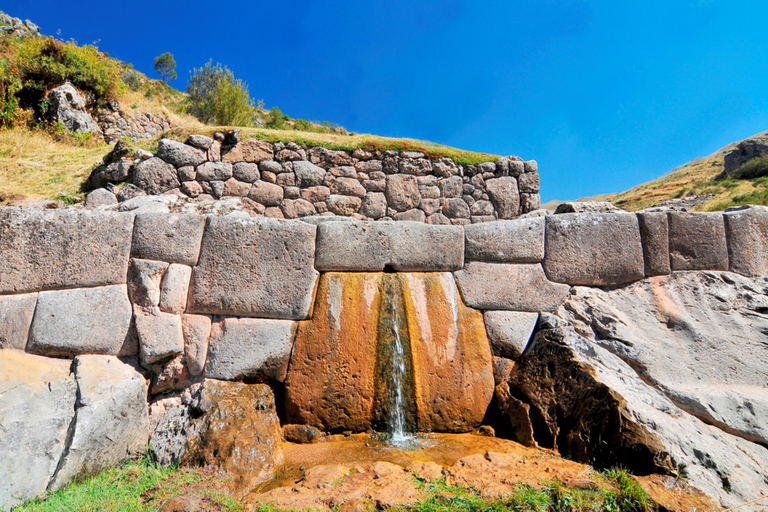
[654, 231]
[528, 182]
[513, 287]
[100, 197]
[174, 289]
[265, 193]
[510, 331]
[174, 237]
[111, 419]
[246, 172]
[402, 192]
[178, 154]
[593, 249]
[456, 209]
[513, 241]
[450, 187]
[253, 151]
[250, 348]
[200, 141]
[296, 208]
[374, 205]
[348, 187]
[504, 196]
[747, 233]
[214, 171]
[255, 267]
[68, 107]
[697, 241]
[343, 205]
[156, 176]
[37, 405]
[301, 434]
[196, 330]
[80, 321]
[308, 174]
[46, 249]
[16, 313]
[414, 215]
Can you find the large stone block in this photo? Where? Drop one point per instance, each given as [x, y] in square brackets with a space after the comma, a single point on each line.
[249, 348]
[697, 241]
[196, 329]
[155, 176]
[505, 196]
[173, 237]
[44, 249]
[80, 321]
[510, 287]
[255, 267]
[111, 418]
[160, 334]
[253, 151]
[15, 319]
[654, 231]
[593, 249]
[405, 246]
[402, 192]
[37, 405]
[144, 278]
[308, 174]
[513, 241]
[747, 232]
[175, 288]
[179, 154]
[510, 331]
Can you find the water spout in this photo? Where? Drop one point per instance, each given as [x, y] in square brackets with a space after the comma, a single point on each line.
[398, 376]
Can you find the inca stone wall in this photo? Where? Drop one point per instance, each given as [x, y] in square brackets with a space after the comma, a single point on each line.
[293, 181]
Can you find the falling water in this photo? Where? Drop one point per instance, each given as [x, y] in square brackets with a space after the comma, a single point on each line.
[396, 391]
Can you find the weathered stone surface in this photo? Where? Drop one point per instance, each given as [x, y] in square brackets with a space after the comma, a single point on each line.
[593, 249]
[174, 289]
[160, 334]
[587, 207]
[654, 231]
[514, 241]
[200, 141]
[144, 278]
[100, 197]
[348, 187]
[343, 205]
[317, 194]
[174, 237]
[267, 194]
[239, 431]
[111, 418]
[747, 232]
[528, 182]
[511, 287]
[697, 241]
[255, 267]
[80, 321]
[308, 174]
[414, 215]
[374, 205]
[451, 187]
[178, 154]
[68, 107]
[16, 313]
[196, 330]
[331, 378]
[44, 249]
[402, 192]
[246, 172]
[406, 246]
[509, 331]
[456, 209]
[37, 405]
[301, 434]
[296, 208]
[504, 196]
[187, 173]
[214, 171]
[235, 188]
[529, 202]
[253, 151]
[251, 348]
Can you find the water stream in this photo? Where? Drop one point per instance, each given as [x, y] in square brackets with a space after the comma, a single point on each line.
[398, 374]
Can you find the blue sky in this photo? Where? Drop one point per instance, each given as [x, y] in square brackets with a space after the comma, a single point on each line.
[604, 94]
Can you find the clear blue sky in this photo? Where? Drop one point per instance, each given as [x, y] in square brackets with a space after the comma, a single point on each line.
[605, 94]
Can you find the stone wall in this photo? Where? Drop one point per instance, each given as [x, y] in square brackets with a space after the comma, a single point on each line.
[293, 181]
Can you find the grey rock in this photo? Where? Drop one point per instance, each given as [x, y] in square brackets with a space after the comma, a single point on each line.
[343, 205]
[270, 166]
[255, 267]
[438, 219]
[480, 208]
[369, 166]
[266, 193]
[172, 427]
[200, 141]
[587, 207]
[192, 188]
[593, 249]
[529, 202]
[250, 348]
[286, 179]
[216, 188]
[246, 172]
[344, 171]
[144, 278]
[178, 154]
[119, 171]
[148, 204]
[129, 191]
[374, 205]
[297, 208]
[100, 197]
[16, 313]
[747, 233]
[37, 405]
[505, 196]
[415, 215]
[160, 334]
[214, 171]
[429, 192]
[80, 321]
[352, 246]
[402, 192]
[456, 208]
[531, 166]
[174, 289]
[416, 167]
[451, 187]
[510, 331]
[308, 174]
[513, 241]
[155, 176]
[697, 241]
[174, 238]
[111, 418]
[196, 330]
[348, 187]
[430, 206]
[528, 182]
[509, 287]
[654, 231]
[68, 107]
[411, 154]
[44, 249]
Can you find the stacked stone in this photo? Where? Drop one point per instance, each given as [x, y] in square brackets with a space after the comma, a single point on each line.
[115, 124]
[292, 181]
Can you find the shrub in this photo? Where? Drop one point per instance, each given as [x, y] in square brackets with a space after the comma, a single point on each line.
[216, 97]
[755, 168]
[132, 80]
[276, 119]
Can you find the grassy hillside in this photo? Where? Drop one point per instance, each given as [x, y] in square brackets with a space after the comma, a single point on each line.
[697, 177]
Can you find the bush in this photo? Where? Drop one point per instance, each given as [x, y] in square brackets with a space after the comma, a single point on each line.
[755, 168]
[216, 97]
[276, 119]
[132, 80]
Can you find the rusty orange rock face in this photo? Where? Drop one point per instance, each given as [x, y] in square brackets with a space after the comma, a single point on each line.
[338, 376]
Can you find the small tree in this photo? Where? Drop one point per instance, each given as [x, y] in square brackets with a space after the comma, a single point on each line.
[216, 97]
[165, 64]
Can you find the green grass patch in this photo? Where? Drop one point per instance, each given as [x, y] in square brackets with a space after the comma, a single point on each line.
[755, 168]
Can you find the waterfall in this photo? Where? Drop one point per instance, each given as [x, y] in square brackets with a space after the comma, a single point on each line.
[398, 374]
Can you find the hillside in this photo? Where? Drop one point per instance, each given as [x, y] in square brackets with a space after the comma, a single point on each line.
[699, 177]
